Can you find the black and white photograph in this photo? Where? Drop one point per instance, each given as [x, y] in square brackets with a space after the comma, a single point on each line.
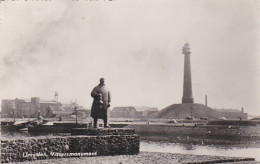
[130, 81]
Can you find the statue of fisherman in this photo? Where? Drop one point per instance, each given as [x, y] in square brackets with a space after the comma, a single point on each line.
[101, 103]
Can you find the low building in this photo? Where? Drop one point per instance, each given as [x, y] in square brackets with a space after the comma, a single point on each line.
[145, 111]
[56, 111]
[233, 113]
[26, 108]
[132, 112]
[123, 112]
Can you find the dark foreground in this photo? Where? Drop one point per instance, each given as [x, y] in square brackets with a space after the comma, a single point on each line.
[150, 157]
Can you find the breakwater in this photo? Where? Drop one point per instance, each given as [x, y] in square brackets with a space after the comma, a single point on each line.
[206, 134]
[28, 149]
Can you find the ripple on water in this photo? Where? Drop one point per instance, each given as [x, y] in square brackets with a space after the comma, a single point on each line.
[222, 150]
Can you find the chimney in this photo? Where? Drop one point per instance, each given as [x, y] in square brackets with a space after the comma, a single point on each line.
[206, 100]
[187, 85]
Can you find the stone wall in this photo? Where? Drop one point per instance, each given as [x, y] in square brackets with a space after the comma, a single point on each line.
[25, 149]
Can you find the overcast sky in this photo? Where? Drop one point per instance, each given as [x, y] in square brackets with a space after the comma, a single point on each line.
[136, 45]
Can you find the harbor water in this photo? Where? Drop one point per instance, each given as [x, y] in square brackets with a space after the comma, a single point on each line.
[220, 150]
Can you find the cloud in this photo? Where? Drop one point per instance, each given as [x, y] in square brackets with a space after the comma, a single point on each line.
[136, 46]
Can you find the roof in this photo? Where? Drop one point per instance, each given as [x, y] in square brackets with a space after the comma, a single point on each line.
[56, 109]
[19, 122]
[129, 108]
[256, 118]
[29, 101]
[144, 108]
[49, 102]
[69, 108]
[228, 110]
[136, 108]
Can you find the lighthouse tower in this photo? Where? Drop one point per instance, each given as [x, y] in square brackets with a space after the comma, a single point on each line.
[187, 85]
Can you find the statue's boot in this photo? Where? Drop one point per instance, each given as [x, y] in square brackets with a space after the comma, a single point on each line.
[95, 122]
[105, 123]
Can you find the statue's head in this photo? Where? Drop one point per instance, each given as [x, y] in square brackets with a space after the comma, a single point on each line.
[102, 81]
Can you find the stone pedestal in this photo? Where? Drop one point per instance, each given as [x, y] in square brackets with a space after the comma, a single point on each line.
[84, 142]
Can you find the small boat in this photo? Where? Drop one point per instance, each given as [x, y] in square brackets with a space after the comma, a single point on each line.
[24, 129]
[56, 127]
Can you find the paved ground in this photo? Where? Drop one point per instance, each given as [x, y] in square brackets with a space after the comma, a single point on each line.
[147, 158]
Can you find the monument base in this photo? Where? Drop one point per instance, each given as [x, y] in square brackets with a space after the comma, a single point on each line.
[187, 100]
[30, 149]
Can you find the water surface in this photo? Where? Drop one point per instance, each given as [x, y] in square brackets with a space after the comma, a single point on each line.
[220, 150]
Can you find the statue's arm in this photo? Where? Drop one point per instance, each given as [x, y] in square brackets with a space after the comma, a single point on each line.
[109, 97]
[94, 93]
